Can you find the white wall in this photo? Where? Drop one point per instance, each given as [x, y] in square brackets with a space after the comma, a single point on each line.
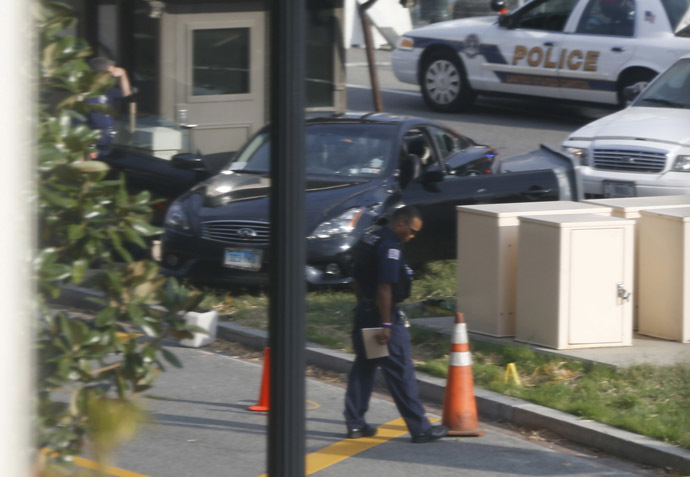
[16, 217]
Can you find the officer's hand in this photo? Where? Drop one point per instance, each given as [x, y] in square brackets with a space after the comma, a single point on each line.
[384, 336]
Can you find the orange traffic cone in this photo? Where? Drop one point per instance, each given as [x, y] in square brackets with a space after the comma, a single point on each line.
[263, 404]
[459, 404]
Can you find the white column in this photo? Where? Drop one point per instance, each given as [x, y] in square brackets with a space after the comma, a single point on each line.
[17, 119]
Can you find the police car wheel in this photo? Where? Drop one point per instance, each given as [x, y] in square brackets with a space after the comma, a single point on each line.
[444, 85]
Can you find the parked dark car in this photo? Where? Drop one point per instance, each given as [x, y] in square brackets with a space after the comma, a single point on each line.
[359, 167]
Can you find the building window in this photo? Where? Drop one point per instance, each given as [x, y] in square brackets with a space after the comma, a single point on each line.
[321, 36]
[220, 61]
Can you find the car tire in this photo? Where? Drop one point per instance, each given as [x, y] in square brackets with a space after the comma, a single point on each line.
[444, 83]
[638, 78]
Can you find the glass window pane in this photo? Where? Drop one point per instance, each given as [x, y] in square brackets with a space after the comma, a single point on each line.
[607, 17]
[321, 32]
[220, 61]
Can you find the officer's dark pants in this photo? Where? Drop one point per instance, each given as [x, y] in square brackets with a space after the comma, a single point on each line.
[397, 368]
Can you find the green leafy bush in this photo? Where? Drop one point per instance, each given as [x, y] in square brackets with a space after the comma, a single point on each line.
[88, 221]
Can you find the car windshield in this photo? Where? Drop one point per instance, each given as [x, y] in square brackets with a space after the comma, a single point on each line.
[331, 149]
[671, 89]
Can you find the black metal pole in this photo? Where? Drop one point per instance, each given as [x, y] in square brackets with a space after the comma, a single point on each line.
[286, 435]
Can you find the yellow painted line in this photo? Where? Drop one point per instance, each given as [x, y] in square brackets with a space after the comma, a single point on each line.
[113, 471]
[93, 465]
[341, 450]
[311, 405]
[125, 337]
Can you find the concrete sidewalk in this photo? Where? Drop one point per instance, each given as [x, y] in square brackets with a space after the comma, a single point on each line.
[645, 349]
[491, 405]
[201, 427]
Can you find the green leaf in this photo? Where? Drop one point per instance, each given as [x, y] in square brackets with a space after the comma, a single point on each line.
[56, 199]
[171, 358]
[75, 232]
[91, 167]
[144, 228]
[149, 330]
[79, 268]
[133, 236]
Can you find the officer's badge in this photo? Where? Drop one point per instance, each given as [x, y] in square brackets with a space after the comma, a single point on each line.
[471, 47]
[394, 254]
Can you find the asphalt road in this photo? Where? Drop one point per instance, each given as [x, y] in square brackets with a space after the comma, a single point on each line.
[512, 126]
[200, 426]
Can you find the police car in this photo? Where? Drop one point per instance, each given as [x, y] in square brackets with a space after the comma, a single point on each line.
[583, 50]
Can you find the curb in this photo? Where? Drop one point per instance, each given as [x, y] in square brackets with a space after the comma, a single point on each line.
[495, 406]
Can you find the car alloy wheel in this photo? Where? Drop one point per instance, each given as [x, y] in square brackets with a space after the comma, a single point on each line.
[443, 82]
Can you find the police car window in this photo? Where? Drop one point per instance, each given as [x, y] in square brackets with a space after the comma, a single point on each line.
[608, 17]
[549, 15]
[676, 11]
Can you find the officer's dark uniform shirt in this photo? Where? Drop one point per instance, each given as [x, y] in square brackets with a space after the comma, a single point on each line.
[378, 259]
[101, 120]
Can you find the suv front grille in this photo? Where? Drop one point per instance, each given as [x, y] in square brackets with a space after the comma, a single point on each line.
[237, 231]
[629, 160]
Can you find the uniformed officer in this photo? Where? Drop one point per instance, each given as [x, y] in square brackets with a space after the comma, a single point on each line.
[381, 279]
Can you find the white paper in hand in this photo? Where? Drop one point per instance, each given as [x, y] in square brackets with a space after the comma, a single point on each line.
[371, 346]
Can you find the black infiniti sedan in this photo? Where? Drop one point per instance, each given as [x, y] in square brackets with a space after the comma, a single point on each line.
[359, 167]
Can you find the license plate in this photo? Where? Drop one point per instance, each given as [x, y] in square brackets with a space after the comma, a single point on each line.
[243, 259]
[619, 189]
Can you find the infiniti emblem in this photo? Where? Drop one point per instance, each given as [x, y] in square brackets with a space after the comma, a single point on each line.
[246, 233]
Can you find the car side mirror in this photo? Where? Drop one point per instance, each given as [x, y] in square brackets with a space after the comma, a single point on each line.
[631, 92]
[188, 161]
[505, 21]
[433, 173]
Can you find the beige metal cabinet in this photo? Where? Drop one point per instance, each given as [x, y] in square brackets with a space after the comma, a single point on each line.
[664, 293]
[630, 208]
[486, 259]
[573, 280]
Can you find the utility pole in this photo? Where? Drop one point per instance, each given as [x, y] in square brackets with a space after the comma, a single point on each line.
[369, 47]
[287, 288]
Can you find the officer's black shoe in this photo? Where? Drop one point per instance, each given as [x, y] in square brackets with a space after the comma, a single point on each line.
[366, 431]
[431, 434]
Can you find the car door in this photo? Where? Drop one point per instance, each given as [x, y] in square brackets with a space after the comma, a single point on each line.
[601, 42]
[157, 175]
[436, 192]
[527, 48]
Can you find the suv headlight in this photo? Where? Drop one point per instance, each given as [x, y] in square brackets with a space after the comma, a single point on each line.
[338, 226]
[176, 218]
[682, 164]
[580, 154]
